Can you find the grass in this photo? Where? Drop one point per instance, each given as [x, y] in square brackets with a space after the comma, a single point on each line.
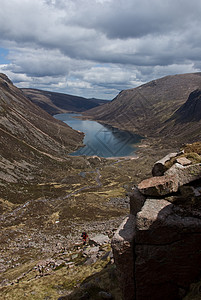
[191, 152]
[39, 212]
[81, 278]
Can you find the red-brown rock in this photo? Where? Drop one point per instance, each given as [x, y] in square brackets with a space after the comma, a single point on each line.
[158, 186]
[183, 161]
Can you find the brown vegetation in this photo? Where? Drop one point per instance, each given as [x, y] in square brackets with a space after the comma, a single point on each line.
[57, 103]
[148, 110]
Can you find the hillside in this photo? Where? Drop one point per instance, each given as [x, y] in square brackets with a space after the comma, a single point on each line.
[29, 136]
[185, 123]
[48, 198]
[191, 110]
[148, 109]
[55, 103]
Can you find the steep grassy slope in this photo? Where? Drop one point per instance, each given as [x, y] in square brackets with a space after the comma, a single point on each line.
[55, 103]
[28, 135]
[148, 108]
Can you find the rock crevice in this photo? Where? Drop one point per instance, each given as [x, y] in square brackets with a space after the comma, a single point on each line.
[157, 248]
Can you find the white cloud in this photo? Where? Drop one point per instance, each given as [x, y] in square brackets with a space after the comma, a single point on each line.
[99, 46]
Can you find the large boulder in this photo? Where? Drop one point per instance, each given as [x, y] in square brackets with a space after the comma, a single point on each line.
[184, 174]
[136, 201]
[167, 252]
[158, 186]
[183, 161]
[122, 245]
[100, 239]
[178, 175]
[160, 166]
[157, 248]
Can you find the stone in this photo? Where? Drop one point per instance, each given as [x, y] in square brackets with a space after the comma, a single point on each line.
[122, 246]
[161, 270]
[91, 260]
[167, 251]
[183, 161]
[157, 247]
[157, 223]
[158, 186]
[184, 174]
[88, 251]
[100, 239]
[136, 201]
[160, 166]
[70, 265]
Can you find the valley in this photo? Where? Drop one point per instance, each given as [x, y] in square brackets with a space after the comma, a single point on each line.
[157, 110]
[43, 220]
[57, 103]
[49, 197]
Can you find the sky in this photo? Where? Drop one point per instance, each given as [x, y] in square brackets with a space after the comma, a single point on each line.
[96, 48]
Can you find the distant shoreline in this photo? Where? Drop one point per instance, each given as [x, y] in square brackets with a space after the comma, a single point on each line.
[129, 157]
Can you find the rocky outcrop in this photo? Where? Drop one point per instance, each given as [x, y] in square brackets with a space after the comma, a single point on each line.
[122, 244]
[158, 186]
[160, 166]
[157, 247]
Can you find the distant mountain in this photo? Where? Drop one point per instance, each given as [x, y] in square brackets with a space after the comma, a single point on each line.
[190, 111]
[185, 123]
[29, 136]
[157, 109]
[55, 103]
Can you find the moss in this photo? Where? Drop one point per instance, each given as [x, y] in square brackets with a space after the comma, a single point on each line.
[194, 157]
[195, 147]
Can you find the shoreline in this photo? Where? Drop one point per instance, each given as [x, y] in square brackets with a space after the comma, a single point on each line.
[129, 157]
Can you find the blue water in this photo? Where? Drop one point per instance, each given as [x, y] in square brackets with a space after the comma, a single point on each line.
[101, 140]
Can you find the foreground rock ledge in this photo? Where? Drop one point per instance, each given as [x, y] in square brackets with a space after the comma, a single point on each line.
[122, 244]
[157, 249]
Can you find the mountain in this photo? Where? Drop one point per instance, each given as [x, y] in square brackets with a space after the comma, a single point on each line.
[149, 109]
[190, 111]
[55, 103]
[29, 137]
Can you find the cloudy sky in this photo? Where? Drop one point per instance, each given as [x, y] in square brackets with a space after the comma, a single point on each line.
[96, 48]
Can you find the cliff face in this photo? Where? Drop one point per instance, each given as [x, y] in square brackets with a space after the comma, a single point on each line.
[191, 110]
[157, 247]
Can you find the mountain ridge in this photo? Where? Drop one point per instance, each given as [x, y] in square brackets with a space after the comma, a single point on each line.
[29, 135]
[148, 109]
[190, 110]
[56, 103]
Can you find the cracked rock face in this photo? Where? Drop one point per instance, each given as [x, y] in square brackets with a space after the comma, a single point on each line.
[163, 254]
[167, 251]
